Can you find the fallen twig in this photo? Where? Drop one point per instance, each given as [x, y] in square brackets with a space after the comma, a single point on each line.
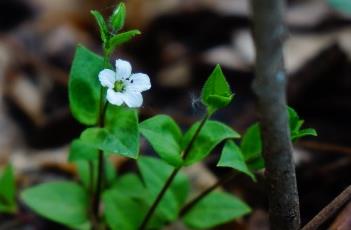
[329, 210]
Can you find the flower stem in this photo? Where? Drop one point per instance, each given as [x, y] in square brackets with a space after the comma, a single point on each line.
[202, 195]
[170, 179]
[101, 162]
[158, 199]
[101, 168]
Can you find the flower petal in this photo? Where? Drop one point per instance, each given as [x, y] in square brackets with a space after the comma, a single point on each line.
[139, 82]
[123, 69]
[132, 99]
[107, 78]
[114, 98]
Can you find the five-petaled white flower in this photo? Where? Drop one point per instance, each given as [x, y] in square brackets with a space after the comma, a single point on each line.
[123, 86]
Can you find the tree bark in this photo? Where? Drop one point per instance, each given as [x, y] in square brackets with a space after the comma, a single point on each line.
[269, 86]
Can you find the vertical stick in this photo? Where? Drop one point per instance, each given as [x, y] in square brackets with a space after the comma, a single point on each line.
[270, 88]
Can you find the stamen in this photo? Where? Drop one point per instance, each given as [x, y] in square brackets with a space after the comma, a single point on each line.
[119, 86]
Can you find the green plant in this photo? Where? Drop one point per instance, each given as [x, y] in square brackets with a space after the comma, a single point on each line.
[106, 101]
[8, 191]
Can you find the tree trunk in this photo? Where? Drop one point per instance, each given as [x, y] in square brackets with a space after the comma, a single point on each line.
[270, 88]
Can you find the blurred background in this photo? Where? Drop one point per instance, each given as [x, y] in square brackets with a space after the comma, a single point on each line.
[181, 42]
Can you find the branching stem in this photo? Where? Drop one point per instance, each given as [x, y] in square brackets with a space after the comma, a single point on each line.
[202, 195]
[170, 179]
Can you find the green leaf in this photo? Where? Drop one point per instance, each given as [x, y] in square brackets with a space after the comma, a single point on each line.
[256, 164]
[303, 133]
[155, 173]
[216, 92]
[8, 191]
[210, 136]
[121, 38]
[123, 123]
[121, 211]
[81, 150]
[294, 121]
[62, 202]
[215, 209]
[133, 191]
[120, 135]
[86, 169]
[165, 136]
[232, 157]
[124, 206]
[344, 6]
[102, 25]
[130, 184]
[118, 17]
[251, 147]
[251, 144]
[84, 86]
[295, 125]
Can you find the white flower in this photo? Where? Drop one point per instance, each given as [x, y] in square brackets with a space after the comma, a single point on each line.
[123, 86]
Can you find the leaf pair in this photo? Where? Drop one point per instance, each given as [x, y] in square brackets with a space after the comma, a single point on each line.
[251, 144]
[295, 125]
[167, 140]
[216, 91]
[108, 31]
[128, 201]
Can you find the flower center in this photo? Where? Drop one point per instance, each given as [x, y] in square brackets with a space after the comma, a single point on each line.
[119, 86]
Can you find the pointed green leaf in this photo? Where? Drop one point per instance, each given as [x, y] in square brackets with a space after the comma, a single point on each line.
[295, 125]
[118, 17]
[232, 157]
[84, 86]
[303, 133]
[8, 191]
[130, 184]
[123, 123]
[104, 140]
[120, 135]
[251, 144]
[122, 212]
[62, 202]
[126, 204]
[102, 25]
[81, 150]
[210, 136]
[155, 173]
[164, 135]
[251, 147]
[121, 38]
[215, 209]
[294, 120]
[216, 92]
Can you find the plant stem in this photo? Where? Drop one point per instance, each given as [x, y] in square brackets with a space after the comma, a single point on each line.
[101, 169]
[158, 199]
[202, 195]
[269, 86]
[196, 134]
[170, 179]
[101, 160]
